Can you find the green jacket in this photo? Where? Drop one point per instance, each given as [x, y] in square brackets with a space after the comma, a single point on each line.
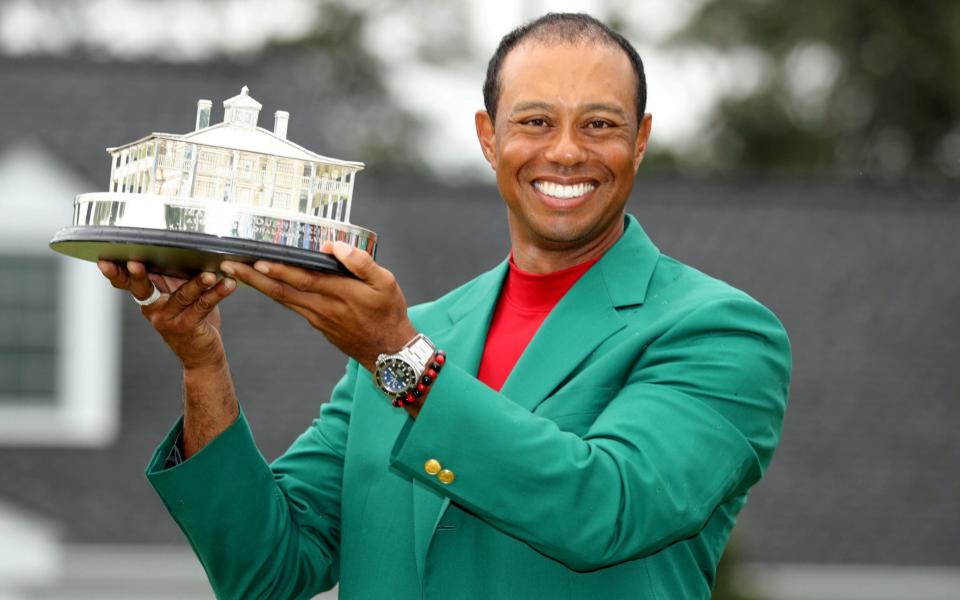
[611, 465]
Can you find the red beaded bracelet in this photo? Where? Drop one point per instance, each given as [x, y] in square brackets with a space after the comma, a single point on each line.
[426, 380]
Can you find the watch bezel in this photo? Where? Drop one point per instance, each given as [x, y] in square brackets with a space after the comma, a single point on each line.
[407, 373]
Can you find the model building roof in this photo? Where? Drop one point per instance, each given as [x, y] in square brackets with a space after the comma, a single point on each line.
[260, 140]
[235, 135]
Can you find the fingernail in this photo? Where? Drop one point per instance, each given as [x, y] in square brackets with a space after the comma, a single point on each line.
[262, 267]
[342, 248]
[207, 278]
[229, 284]
[227, 268]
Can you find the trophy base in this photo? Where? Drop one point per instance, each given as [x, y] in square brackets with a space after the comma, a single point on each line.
[181, 253]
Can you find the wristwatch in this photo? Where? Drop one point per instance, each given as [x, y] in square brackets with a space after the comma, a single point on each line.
[397, 374]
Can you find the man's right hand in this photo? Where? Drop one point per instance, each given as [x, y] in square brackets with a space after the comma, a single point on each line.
[186, 315]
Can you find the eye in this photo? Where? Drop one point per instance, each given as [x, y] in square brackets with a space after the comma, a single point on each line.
[599, 124]
[536, 122]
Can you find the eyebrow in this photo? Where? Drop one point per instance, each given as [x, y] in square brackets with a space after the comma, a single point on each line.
[534, 105]
[607, 108]
[593, 107]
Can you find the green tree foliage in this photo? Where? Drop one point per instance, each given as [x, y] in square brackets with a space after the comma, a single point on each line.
[349, 81]
[857, 86]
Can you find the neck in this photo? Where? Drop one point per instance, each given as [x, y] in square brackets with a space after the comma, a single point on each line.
[537, 258]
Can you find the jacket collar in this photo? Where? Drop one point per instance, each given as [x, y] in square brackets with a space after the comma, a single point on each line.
[585, 317]
[629, 265]
[582, 319]
[626, 271]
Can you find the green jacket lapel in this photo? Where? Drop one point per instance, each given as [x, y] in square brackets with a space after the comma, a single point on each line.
[584, 317]
[577, 325]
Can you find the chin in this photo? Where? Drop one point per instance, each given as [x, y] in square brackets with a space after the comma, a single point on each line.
[563, 233]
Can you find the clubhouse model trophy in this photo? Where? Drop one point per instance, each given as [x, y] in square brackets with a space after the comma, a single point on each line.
[183, 203]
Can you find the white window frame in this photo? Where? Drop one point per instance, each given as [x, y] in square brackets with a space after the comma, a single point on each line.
[84, 408]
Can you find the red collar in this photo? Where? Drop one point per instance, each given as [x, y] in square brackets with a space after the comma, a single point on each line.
[535, 292]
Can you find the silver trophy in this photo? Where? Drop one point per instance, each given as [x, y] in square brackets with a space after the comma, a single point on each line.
[232, 190]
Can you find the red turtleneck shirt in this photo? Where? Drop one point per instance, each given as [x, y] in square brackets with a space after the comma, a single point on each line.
[525, 301]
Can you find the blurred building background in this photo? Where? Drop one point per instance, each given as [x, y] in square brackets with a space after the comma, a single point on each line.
[808, 153]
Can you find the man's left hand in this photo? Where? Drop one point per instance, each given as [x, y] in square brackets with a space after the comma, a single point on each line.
[363, 317]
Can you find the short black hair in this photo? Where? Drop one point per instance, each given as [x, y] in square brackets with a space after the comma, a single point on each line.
[562, 28]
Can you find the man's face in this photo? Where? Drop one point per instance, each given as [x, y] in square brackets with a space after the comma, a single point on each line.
[566, 143]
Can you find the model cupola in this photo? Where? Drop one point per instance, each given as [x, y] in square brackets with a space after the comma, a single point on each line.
[242, 109]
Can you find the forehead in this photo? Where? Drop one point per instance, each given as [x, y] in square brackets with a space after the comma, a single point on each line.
[567, 74]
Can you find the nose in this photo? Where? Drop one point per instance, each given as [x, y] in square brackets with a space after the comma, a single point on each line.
[566, 149]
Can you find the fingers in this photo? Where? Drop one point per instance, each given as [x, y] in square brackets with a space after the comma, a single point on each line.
[116, 274]
[190, 292]
[110, 270]
[132, 277]
[278, 284]
[139, 282]
[362, 265]
[208, 299]
[357, 261]
[195, 298]
[198, 296]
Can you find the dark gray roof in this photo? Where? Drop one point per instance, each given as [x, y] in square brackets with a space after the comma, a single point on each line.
[78, 107]
[863, 277]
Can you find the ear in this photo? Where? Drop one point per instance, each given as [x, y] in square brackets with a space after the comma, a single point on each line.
[643, 136]
[488, 140]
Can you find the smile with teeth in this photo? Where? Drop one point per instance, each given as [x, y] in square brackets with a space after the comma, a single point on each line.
[557, 190]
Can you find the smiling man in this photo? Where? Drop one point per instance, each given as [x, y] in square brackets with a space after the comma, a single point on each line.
[565, 133]
[584, 420]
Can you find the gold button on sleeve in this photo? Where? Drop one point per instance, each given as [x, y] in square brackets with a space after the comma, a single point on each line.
[432, 466]
[446, 476]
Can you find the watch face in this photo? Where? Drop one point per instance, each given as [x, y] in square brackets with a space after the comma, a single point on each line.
[395, 376]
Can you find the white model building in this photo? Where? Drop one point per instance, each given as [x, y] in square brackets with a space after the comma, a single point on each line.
[236, 162]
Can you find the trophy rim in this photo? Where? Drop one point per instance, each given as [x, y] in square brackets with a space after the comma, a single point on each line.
[170, 216]
[181, 253]
[221, 207]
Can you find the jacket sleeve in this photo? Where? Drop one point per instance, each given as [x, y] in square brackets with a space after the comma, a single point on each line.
[694, 424]
[263, 532]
